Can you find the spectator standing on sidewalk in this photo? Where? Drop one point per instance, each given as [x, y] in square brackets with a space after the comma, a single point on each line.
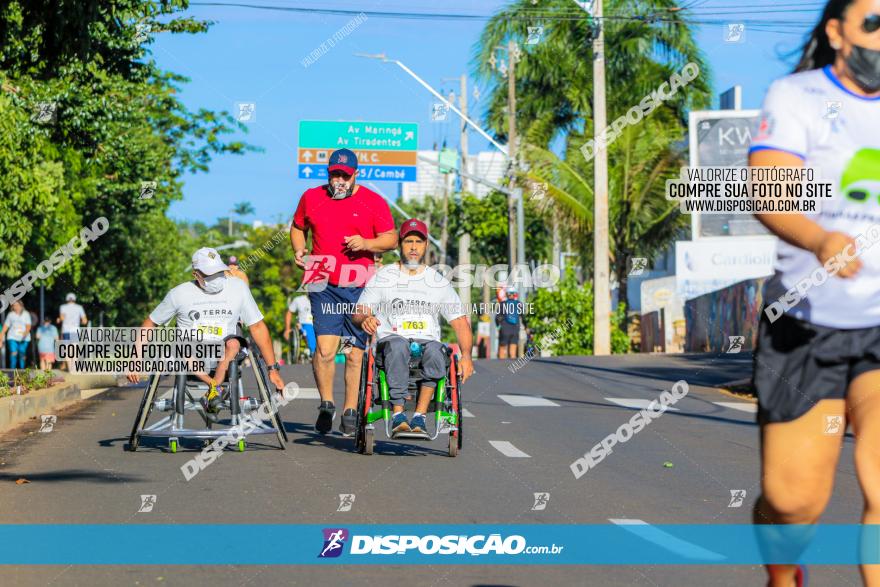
[17, 333]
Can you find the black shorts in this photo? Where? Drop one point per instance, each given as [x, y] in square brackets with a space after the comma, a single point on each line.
[508, 334]
[797, 364]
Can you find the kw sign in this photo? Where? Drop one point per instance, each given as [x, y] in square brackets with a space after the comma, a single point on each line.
[386, 151]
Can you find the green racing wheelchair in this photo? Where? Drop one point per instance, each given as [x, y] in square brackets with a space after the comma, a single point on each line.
[374, 401]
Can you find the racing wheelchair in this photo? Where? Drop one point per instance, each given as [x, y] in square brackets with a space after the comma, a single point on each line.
[181, 399]
[374, 400]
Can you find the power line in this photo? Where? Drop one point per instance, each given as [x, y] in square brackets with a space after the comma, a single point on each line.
[526, 14]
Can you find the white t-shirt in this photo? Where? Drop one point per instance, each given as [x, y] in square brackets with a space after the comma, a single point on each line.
[836, 132]
[216, 314]
[303, 309]
[71, 316]
[18, 324]
[409, 305]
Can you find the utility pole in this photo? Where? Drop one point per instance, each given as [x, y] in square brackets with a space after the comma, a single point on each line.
[601, 269]
[511, 149]
[464, 241]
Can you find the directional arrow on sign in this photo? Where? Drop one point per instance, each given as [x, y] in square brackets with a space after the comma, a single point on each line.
[307, 171]
[307, 156]
[409, 135]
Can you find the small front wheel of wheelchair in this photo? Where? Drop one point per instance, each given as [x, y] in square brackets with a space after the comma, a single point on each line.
[172, 445]
[453, 446]
[369, 441]
[241, 445]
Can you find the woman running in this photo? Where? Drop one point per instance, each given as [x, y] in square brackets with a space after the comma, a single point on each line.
[817, 363]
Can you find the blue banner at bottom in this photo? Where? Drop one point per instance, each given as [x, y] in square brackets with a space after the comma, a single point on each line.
[484, 544]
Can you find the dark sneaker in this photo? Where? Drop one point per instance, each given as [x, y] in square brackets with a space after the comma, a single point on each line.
[348, 422]
[417, 424]
[326, 413]
[399, 423]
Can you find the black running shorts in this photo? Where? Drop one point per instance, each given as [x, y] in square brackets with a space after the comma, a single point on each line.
[797, 364]
[508, 334]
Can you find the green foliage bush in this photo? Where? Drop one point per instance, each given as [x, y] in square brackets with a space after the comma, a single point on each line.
[565, 314]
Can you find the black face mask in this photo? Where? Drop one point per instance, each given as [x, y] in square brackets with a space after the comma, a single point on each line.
[864, 67]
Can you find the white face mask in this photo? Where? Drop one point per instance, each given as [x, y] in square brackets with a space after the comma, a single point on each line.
[338, 189]
[214, 283]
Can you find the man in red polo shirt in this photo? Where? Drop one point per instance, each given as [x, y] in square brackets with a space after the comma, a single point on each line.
[349, 224]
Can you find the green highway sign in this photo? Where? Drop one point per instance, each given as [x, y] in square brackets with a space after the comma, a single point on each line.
[378, 136]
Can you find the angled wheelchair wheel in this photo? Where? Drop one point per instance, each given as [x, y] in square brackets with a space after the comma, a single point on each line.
[455, 393]
[363, 407]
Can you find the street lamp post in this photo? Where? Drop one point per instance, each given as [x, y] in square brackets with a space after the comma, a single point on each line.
[517, 215]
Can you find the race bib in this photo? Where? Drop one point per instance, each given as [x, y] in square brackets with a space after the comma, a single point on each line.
[212, 330]
[413, 326]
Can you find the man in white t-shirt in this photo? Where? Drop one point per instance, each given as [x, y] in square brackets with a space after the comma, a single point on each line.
[401, 305]
[71, 316]
[302, 307]
[214, 303]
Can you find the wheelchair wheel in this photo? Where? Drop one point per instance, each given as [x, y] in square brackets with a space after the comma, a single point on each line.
[456, 405]
[141, 419]
[363, 407]
[369, 441]
[453, 446]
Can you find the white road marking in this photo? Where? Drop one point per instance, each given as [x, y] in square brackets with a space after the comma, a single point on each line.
[638, 404]
[466, 414]
[527, 401]
[507, 449]
[741, 406]
[681, 547]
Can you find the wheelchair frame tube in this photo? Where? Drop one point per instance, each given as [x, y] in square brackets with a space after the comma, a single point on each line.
[384, 395]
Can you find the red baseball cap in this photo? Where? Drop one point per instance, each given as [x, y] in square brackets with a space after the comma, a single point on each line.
[414, 225]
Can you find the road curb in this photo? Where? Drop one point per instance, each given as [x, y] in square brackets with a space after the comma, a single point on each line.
[16, 409]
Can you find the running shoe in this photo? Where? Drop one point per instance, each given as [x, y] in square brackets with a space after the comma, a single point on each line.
[326, 414]
[417, 424]
[399, 423]
[348, 422]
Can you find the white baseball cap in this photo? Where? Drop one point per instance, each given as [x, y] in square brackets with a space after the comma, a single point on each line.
[70, 297]
[208, 261]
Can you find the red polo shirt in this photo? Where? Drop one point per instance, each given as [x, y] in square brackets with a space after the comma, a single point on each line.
[365, 213]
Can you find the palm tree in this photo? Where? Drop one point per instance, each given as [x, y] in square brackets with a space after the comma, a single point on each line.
[646, 41]
[642, 221]
[241, 210]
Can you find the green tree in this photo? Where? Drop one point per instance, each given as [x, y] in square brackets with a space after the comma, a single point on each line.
[117, 123]
[646, 42]
[563, 320]
[641, 220]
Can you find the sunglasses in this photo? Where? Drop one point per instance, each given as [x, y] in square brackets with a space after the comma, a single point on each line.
[871, 23]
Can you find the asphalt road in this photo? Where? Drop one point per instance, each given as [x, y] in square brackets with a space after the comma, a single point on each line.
[81, 473]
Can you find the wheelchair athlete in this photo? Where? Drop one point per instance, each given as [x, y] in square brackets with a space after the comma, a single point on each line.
[213, 303]
[400, 305]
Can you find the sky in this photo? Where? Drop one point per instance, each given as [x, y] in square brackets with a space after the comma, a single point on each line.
[257, 56]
